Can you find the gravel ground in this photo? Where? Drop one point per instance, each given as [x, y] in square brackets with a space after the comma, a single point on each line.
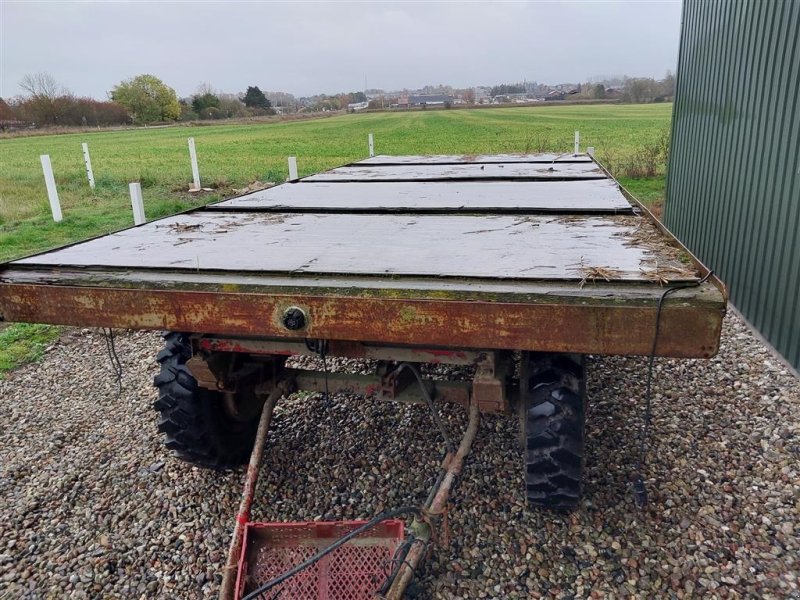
[92, 506]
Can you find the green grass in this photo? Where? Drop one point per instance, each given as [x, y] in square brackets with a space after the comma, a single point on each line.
[21, 343]
[233, 155]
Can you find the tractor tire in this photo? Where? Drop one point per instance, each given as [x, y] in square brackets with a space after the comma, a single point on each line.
[552, 420]
[195, 423]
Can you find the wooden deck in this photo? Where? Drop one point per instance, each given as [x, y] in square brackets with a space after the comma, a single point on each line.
[512, 171]
[493, 197]
[469, 246]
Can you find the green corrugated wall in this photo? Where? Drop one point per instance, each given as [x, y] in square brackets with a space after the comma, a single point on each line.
[733, 186]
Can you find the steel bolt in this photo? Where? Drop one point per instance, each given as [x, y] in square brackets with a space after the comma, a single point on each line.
[294, 318]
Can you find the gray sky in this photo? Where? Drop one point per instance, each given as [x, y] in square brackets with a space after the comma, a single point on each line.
[318, 47]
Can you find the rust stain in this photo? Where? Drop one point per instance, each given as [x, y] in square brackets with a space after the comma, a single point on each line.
[613, 328]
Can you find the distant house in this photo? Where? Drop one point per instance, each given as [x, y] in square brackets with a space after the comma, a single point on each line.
[560, 95]
[518, 97]
[354, 106]
[430, 100]
[482, 94]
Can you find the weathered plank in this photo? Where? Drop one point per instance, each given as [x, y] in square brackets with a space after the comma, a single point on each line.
[500, 246]
[445, 159]
[511, 171]
[598, 195]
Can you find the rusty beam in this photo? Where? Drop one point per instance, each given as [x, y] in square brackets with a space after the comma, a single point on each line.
[371, 385]
[688, 329]
[342, 348]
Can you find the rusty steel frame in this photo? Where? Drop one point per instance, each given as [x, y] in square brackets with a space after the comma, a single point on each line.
[341, 348]
[491, 385]
[690, 328]
[373, 385]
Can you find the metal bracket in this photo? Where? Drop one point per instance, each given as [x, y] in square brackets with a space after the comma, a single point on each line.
[489, 386]
[392, 382]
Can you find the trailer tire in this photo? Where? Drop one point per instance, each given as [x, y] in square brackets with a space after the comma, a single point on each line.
[552, 419]
[196, 426]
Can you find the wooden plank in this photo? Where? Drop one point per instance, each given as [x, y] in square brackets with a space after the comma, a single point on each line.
[511, 171]
[446, 159]
[502, 246]
[598, 195]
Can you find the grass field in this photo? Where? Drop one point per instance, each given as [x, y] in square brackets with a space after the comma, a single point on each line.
[232, 155]
[22, 343]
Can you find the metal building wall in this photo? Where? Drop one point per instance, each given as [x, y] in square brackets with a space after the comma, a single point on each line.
[733, 188]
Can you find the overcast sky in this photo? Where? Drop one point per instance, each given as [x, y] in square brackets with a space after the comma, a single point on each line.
[317, 47]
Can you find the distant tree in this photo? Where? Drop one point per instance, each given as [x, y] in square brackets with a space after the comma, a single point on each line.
[358, 97]
[90, 112]
[147, 98]
[204, 88]
[7, 116]
[255, 98]
[42, 103]
[668, 84]
[49, 103]
[187, 114]
[507, 88]
[284, 101]
[70, 110]
[598, 91]
[230, 106]
[42, 85]
[639, 90]
[469, 96]
[203, 103]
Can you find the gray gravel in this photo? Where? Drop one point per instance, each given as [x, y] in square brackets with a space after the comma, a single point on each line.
[92, 506]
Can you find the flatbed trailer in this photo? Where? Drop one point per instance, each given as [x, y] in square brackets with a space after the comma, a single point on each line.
[464, 260]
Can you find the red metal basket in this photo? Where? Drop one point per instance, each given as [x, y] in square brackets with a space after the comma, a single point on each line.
[354, 571]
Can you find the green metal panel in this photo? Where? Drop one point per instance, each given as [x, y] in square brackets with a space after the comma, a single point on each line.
[733, 188]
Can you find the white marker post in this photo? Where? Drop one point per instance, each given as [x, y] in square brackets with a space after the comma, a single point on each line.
[88, 162]
[590, 151]
[577, 142]
[371, 145]
[195, 170]
[292, 168]
[137, 203]
[52, 192]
